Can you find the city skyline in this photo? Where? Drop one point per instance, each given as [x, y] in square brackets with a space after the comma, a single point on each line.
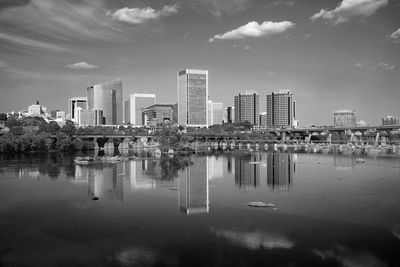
[331, 56]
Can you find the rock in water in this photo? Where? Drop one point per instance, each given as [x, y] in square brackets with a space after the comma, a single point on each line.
[360, 160]
[259, 204]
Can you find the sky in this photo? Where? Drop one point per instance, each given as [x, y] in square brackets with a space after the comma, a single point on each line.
[331, 54]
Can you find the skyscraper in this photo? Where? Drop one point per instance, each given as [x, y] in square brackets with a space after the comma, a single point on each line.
[280, 109]
[229, 114]
[215, 113]
[76, 102]
[108, 98]
[247, 107]
[193, 97]
[137, 103]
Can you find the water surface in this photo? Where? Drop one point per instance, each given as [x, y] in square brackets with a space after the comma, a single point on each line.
[191, 211]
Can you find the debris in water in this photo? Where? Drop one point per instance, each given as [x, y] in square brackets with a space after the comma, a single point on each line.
[259, 204]
[360, 160]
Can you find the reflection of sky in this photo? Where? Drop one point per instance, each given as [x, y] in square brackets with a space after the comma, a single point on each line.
[136, 257]
[105, 183]
[350, 258]
[256, 239]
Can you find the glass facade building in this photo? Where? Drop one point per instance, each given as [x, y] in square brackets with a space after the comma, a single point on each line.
[215, 113]
[74, 103]
[193, 98]
[108, 98]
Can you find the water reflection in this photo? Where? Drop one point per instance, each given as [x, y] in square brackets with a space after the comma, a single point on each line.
[343, 162]
[280, 171]
[246, 174]
[193, 188]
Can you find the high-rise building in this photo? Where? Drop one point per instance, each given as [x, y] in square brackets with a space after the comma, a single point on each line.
[247, 107]
[215, 113]
[390, 120]
[263, 118]
[193, 97]
[74, 103]
[36, 110]
[280, 109]
[344, 118]
[137, 104]
[229, 116]
[108, 98]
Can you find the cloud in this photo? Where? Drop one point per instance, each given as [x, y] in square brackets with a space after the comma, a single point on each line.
[348, 257]
[30, 42]
[284, 2]
[141, 15]
[359, 65]
[255, 240]
[82, 66]
[254, 29]
[395, 36]
[246, 47]
[386, 66]
[348, 9]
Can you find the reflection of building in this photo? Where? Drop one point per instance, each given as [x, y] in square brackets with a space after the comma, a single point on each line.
[215, 167]
[280, 170]
[192, 98]
[215, 113]
[344, 118]
[193, 188]
[343, 162]
[136, 172]
[108, 98]
[247, 107]
[247, 174]
[280, 109]
[106, 183]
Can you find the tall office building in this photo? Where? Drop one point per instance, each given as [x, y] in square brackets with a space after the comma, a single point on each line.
[280, 109]
[215, 113]
[74, 103]
[247, 107]
[344, 118]
[193, 97]
[137, 104]
[390, 120]
[229, 116]
[108, 98]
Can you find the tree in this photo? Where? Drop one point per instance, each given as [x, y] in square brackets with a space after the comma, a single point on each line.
[3, 116]
[69, 128]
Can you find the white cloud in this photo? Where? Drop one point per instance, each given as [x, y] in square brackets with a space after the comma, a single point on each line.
[257, 239]
[246, 47]
[348, 9]
[395, 35]
[141, 15]
[254, 29]
[271, 73]
[386, 66]
[359, 65]
[82, 66]
[30, 42]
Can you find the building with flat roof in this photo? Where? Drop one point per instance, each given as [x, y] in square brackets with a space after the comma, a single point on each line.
[136, 105]
[158, 114]
[247, 107]
[215, 113]
[229, 116]
[344, 118]
[88, 117]
[108, 98]
[193, 98]
[76, 102]
[390, 120]
[281, 109]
